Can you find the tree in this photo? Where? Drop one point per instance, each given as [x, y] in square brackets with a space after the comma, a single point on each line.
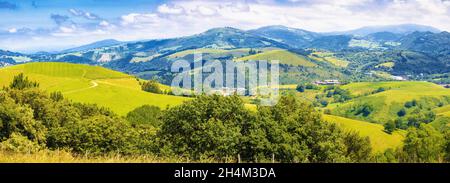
[17, 119]
[18, 143]
[56, 96]
[300, 88]
[294, 132]
[401, 113]
[206, 127]
[423, 144]
[96, 135]
[151, 86]
[21, 82]
[389, 127]
[145, 115]
[358, 148]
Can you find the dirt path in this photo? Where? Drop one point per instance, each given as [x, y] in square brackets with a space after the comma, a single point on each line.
[93, 85]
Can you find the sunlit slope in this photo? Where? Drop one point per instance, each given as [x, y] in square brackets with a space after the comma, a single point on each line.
[385, 105]
[379, 139]
[283, 56]
[90, 84]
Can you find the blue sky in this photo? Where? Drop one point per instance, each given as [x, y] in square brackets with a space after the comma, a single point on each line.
[46, 25]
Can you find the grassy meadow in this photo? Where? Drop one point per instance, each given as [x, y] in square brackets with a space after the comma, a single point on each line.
[90, 84]
[283, 56]
[380, 140]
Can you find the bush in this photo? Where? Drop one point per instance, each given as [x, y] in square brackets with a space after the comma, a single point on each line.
[18, 119]
[21, 82]
[389, 127]
[18, 143]
[401, 113]
[300, 88]
[145, 115]
[151, 86]
[96, 135]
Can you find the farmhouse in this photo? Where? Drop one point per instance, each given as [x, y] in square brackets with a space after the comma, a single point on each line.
[327, 82]
[398, 78]
[445, 85]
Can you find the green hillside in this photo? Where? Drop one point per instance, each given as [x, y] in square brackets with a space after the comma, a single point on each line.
[379, 139]
[328, 57]
[285, 57]
[90, 84]
[384, 106]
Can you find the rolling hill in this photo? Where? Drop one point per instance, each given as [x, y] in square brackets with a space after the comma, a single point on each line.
[283, 56]
[90, 84]
[297, 38]
[379, 139]
[384, 106]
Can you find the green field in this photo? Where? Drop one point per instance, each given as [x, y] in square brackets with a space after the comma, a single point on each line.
[283, 56]
[379, 139]
[328, 57]
[386, 104]
[90, 84]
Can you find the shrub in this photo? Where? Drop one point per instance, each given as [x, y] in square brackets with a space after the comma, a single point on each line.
[389, 127]
[96, 135]
[146, 115]
[401, 113]
[18, 143]
[151, 86]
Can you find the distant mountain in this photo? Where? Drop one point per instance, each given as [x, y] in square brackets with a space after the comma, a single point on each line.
[427, 42]
[296, 38]
[98, 44]
[334, 43]
[383, 36]
[397, 29]
[10, 58]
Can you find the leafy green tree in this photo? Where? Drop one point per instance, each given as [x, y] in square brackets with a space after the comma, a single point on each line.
[300, 88]
[401, 113]
[56, 96]
[96, 135]
[207, 127]
[18, 143]
[358, 148]
[145, 115]
[296, 133]
[151, 86]
[423, 144]
[389, 127]
[18, 119]
[447, 145]
[21, 82]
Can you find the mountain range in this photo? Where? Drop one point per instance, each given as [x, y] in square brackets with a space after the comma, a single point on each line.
[409, 49]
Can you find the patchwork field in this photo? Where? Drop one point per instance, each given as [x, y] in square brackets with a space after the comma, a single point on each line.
[90, 84]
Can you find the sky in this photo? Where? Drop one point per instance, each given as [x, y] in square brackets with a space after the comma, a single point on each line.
[51, 25]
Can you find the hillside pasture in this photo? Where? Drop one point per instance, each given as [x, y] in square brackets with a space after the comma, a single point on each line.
[90, 84]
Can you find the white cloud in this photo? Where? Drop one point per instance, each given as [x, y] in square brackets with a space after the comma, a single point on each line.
[166, 9]
[12, 30]
[104, 23]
